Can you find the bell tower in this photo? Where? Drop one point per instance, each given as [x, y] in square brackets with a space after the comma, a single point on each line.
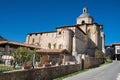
[85, 17]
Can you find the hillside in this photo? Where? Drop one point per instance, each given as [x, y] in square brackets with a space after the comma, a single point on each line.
[2, 38]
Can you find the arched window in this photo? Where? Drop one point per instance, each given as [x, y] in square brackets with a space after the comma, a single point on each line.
[54, 46]
[60, 46]
[49, 45]
[83, 22]
[59, 33]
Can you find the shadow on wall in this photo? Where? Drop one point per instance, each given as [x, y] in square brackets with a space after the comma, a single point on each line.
[91, 47]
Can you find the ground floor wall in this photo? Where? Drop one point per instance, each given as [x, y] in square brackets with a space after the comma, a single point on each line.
[49, 73]
[116, 57]
[92, 62]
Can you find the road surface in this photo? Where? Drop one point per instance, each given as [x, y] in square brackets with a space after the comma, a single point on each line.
[107, 72]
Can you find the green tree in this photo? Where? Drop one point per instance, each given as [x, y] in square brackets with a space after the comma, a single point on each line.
[23, 54]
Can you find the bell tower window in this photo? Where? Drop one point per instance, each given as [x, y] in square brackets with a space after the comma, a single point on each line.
[85, 17]
[83, 22]
[85, 10]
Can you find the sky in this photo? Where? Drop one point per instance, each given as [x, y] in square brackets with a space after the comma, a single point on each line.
[20, 17]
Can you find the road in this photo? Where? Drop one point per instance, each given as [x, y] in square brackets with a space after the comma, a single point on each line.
[107, 72]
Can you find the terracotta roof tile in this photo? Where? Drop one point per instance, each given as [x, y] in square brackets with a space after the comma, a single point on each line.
[18, 44]
[53, 51]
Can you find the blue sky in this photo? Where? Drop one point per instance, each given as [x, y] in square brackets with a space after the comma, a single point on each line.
[20, 17]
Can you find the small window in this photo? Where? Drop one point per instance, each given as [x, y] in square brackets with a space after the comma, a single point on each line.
[54, 46]
[59, 33]
[49, 45]
[60, 46]
[30, 34]
[83, 22]
[33, 40]
[118, 51]
[40, 33]
[84, 10]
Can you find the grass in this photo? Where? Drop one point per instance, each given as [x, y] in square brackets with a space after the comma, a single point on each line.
[104, 64]
[72, 74]
[78, 72]
[6, 68]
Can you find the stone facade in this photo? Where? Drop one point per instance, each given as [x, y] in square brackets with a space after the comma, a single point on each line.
[94, 31]
[82, 38]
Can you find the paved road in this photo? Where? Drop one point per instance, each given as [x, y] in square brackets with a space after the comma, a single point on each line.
[107, 72]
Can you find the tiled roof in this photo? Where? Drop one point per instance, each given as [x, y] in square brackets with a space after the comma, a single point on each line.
[75, 25]
[53, 51]
[41, 32]
[18, 44]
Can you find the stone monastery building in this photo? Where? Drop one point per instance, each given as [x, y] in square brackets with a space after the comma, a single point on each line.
[82, 38]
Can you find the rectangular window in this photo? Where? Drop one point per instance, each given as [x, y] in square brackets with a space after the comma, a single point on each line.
[118, 51]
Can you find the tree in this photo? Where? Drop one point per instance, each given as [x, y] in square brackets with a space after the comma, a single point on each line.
[23, 54]
[109, 52]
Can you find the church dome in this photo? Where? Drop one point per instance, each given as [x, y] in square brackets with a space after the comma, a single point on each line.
[85, 13]
[85, 17]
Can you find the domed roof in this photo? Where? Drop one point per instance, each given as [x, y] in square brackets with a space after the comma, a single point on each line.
[85, 13]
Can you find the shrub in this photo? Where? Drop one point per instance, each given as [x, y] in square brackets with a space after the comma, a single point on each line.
[23, 55]
[99, 54]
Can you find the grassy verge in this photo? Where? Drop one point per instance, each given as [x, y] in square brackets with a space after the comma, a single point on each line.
[6, 68]
[78, 72]
[72, 74]
[104, 64]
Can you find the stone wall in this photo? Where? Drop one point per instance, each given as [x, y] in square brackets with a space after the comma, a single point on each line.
[92, 62]
[48, 73]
